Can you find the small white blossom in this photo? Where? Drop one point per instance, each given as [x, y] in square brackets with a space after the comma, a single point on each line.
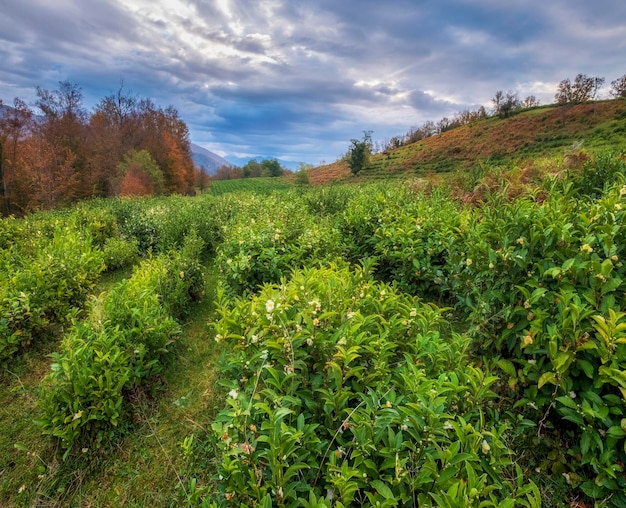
[269, 306]
[233, 394]
[485, 447]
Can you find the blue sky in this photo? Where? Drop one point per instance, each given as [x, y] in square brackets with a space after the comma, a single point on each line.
[296, 80]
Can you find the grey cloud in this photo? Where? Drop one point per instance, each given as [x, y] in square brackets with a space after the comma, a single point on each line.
[264, 76]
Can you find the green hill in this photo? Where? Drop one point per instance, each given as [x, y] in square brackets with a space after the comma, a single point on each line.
[545, 131]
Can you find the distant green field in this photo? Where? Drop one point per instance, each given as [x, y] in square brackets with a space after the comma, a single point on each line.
[263, 185]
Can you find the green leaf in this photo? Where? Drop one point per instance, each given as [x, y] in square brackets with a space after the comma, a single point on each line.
[568, 264]
[616, 432]
[382, 489]
[592, 490]
[611, 285]
[563, 360]
[547, 377]
[567, 401]
[507, 367]
[585, 442]
[21, 447]
[266, 502]
[586, 367]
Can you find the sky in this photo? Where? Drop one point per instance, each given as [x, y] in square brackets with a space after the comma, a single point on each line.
[296, 80]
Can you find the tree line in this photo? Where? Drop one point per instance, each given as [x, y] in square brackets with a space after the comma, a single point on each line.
[252, 169]
[59, 153]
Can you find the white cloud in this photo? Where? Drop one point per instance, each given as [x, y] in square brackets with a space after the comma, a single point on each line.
[300, 79]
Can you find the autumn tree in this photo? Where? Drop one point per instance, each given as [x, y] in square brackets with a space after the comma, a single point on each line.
[166, 137]
[505, 104]
[202, 180]
[113, 131]
[583, 89]
[140, 175]
[63, 130]
[618, 88]
[49, 170]
[229, 173]
[68, 154]
[15, 126]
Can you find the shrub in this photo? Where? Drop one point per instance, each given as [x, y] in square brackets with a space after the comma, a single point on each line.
[598, 173]
[126, 341]
[267, 243]
[49, 288]
[159, 224]
[120, 253]
[344, 389]
[416, 245]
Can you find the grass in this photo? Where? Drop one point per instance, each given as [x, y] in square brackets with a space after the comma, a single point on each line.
[150, 466]
[262, 185]
[545, 131]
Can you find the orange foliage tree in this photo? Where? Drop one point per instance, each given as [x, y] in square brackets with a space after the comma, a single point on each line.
[136, 182]
[15, 125]
[127, 146]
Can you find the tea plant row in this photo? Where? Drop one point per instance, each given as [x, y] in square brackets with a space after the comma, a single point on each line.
[537, 282]
[346, 383]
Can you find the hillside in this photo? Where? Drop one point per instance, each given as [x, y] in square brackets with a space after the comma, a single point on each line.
[538, 132]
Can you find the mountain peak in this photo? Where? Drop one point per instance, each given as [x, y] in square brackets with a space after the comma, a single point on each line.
[206, 159]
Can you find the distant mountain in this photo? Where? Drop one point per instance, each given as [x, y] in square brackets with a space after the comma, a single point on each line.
[210, 161]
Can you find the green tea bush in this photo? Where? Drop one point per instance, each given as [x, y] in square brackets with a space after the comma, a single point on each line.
[126, 340]
[11, 230]
[120, 253]
[268, 242]
[162, 224]
[575, 341]
[503, 245]
[416, 243]
[605, 169]
[174, 278]
[327, 201]
[47, 288]
[544, 292]
[344, 391]
[96, 219]
[82, 398]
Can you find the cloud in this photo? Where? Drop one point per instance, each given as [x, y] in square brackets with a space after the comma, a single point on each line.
[300, 79]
